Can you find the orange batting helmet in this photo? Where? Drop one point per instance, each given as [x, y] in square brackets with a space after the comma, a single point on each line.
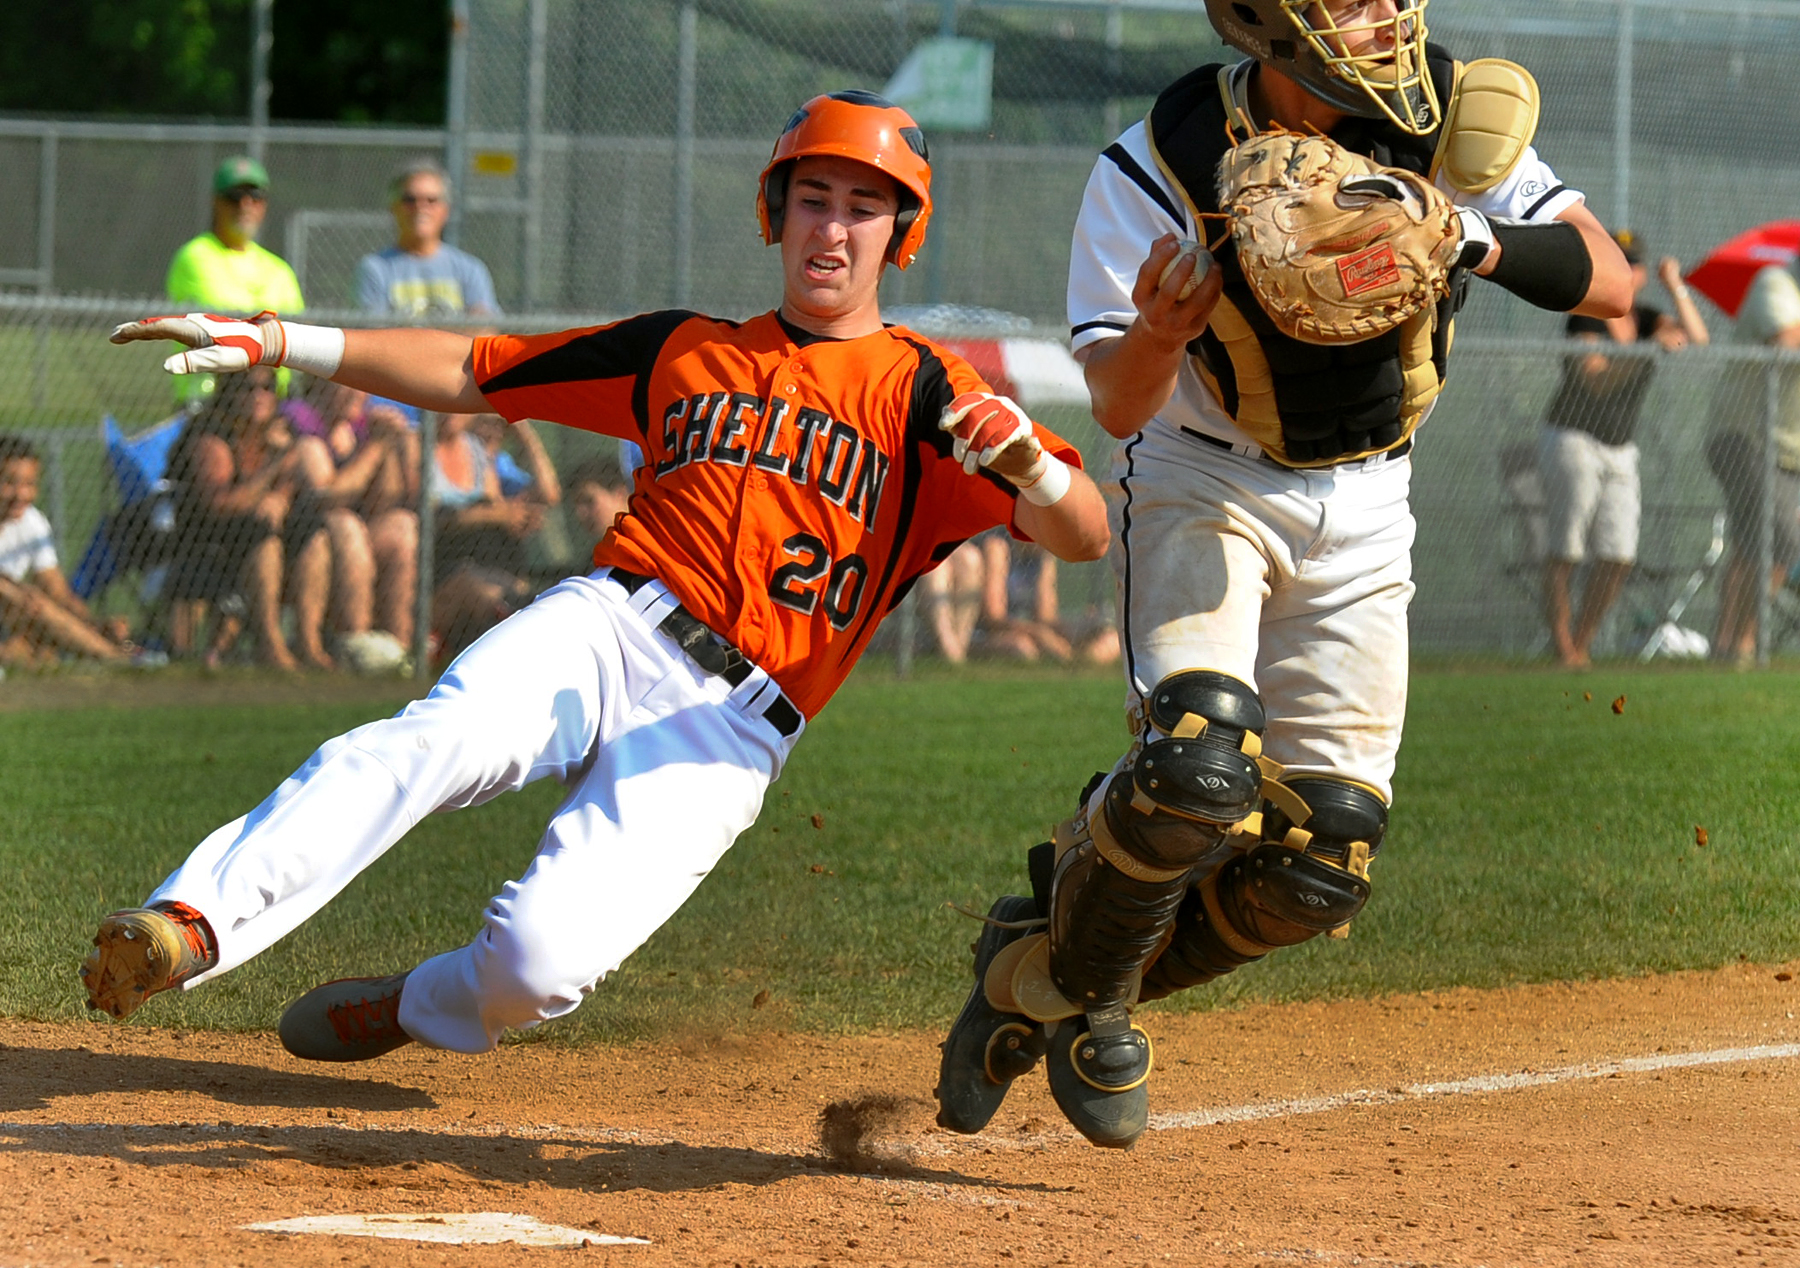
[856, 125]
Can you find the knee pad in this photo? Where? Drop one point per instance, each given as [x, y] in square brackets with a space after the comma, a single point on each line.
[1309, 875]
[1206, 768]
[1115, 893]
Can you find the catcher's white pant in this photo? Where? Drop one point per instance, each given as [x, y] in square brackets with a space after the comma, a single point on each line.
[1296, 582]
[666, 765]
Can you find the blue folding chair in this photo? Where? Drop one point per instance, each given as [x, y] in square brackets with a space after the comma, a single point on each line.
[124, 538]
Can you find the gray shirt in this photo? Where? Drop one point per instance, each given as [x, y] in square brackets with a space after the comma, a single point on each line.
[446, 281]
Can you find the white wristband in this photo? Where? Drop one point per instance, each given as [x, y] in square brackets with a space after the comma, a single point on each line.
[1051, 484]
[313, 349]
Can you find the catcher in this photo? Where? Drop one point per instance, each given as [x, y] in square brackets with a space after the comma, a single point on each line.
[1352, 178]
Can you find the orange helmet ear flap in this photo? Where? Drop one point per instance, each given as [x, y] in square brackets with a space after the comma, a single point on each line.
[857, 125]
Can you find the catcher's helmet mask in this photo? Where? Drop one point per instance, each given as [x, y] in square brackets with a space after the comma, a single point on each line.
[860, 125]
[1300, 39]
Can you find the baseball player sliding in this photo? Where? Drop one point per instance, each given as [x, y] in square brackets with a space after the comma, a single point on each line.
[802, 470]
[1352, 177]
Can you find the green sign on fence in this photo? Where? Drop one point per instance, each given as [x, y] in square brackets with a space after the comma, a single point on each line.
[947, 83]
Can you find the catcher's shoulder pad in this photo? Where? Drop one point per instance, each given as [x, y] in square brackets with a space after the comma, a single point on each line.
[1491, 118]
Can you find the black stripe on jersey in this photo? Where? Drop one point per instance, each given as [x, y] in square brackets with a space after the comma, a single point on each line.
[629, 348]
[1125, 553]
[931, 392]
[1144, 181]
[1533, 209]
[1097, 325]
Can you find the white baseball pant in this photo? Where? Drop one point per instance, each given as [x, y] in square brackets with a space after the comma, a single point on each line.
[666, 765]
[1294, 581]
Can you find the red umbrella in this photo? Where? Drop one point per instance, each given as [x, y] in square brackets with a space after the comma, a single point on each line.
[1725, 275]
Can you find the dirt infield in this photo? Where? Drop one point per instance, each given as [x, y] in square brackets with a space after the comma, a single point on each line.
[1660, 1125]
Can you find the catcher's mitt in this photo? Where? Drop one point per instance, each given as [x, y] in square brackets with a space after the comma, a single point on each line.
[1336, 247]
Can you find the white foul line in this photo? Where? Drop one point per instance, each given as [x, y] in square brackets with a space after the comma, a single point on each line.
[1466, 1087]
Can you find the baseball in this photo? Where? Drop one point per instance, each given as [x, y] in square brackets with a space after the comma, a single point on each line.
[1202, 262]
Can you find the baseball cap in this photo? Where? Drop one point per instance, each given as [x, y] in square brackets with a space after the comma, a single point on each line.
[1630, 244]
[238, 172]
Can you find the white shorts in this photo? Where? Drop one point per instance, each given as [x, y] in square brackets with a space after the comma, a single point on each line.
[666, 765]
[1296, 582]
[1591, 497]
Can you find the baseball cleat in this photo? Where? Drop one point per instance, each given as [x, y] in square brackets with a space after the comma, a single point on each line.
[987, 1048]
[1100, 1083]
[351, 1019]
[142, 950]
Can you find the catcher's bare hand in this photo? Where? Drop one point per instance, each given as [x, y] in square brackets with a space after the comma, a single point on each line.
[219, 344]
[1163, 315]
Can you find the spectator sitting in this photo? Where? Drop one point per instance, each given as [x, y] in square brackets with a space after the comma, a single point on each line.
[953, 600]
[598, 493]
[1770, 317]
[360, 457]
[479, 542]
[421, 275]
[40, 617]
[1588, 458]
[537, 476]
[246, 525]
[1019, 603]
[225, 270]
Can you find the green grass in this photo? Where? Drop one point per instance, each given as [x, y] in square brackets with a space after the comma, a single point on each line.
[1538, 836]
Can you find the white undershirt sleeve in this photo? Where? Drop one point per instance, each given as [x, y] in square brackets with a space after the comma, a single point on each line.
[1529, 192]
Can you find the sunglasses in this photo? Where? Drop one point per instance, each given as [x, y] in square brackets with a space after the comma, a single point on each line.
[420, 200]
[245, 195]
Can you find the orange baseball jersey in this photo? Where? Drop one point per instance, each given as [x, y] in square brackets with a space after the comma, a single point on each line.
[794, 487]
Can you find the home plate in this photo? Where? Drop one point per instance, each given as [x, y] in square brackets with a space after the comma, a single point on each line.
[458, 1227]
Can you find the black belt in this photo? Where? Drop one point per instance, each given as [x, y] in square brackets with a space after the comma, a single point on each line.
[712, 651]
[1398, 451]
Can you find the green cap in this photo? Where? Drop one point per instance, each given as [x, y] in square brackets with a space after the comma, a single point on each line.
[237, 172]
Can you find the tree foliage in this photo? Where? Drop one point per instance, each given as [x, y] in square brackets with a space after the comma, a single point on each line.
[356, 62]
[125, 56]
[338, 60]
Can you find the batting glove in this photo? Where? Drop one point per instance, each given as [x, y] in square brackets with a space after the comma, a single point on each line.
[225, 344]
[990, 431]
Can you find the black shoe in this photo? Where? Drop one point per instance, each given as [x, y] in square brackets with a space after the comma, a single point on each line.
[1101, 1084]
[987, 1049]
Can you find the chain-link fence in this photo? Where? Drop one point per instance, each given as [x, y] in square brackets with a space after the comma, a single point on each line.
[605, 151]
[605, 155]
[208, 531]
[277, 517]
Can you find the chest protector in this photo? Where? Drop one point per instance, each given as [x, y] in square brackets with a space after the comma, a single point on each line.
[1311, 405]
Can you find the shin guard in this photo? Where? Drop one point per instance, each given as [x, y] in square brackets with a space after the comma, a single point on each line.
[1117, 888]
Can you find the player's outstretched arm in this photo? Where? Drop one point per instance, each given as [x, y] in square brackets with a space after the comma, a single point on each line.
[1133, 376]
[1058, 506]
[432, 369]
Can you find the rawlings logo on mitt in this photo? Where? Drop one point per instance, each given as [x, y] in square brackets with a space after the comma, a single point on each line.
[1337, 248]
